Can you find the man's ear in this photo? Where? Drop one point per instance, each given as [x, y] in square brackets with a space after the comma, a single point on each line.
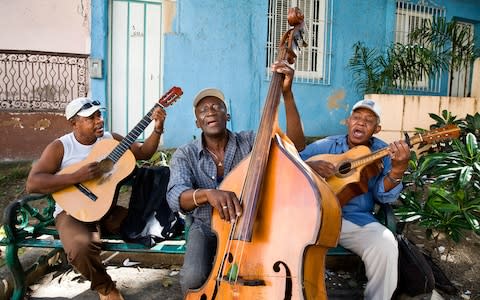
[196, 123]
[228, 117]
[377, 129]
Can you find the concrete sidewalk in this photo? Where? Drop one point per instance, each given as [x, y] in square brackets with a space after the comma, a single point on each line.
[133, 282]
[138, 276]
[155, 276]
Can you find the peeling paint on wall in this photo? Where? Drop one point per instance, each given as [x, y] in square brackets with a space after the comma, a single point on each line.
[42, 124]
[335, 100]
[23, 136]
[13, 122]
[169, 11]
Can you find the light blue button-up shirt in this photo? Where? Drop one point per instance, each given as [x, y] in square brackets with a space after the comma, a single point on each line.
[359, 210]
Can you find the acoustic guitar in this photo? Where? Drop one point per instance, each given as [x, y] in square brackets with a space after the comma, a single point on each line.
[356, 166]
[90, 200]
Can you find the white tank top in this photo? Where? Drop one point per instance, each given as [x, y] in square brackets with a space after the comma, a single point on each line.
[74, 152]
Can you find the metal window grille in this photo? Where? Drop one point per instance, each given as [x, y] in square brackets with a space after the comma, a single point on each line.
[36, 80]
[410, 16]
[313, 64]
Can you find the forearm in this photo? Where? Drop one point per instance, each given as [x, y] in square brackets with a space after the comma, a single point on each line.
[191, 199]
[146, 149]
[294, 124]
[49, 183]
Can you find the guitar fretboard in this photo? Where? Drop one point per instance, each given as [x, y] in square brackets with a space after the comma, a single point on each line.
[131, 136]
[365, 160]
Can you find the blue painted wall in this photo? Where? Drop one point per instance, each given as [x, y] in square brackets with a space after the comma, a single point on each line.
[222, 44]
[99, 50]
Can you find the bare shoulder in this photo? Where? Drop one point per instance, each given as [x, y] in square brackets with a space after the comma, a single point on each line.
[51, 158]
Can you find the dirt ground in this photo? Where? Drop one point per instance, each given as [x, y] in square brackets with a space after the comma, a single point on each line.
[461, 266]
[460, 262]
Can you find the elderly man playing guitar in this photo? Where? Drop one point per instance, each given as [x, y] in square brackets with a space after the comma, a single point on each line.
[361, 232]
[81, 239]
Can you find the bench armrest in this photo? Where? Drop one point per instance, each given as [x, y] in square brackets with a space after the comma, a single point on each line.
[27, 216]
[386, 216]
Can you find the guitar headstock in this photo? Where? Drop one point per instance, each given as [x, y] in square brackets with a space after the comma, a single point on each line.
[445, 133]
[170, 97]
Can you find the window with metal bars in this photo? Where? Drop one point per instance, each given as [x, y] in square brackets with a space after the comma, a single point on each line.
[313, 63]
[410, 16]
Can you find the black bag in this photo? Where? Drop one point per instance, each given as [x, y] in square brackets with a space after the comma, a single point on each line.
[441, 280]
[150, 219]
[415, 274]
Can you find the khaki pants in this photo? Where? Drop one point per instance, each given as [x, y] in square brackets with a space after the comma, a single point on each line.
[378, 248]
[81, 242]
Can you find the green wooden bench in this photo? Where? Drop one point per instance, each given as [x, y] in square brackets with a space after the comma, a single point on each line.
[29, 222]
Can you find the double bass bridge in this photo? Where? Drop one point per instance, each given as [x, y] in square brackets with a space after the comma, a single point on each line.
[244, 282]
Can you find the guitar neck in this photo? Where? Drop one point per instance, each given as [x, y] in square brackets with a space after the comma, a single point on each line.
[131, 136]
[368, 159]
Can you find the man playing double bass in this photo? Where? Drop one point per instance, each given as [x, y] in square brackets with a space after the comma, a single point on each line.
[198, 168]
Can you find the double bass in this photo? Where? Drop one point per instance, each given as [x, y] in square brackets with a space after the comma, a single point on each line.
[276, 249]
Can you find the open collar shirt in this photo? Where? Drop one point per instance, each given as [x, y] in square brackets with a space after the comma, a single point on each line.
[192, 167]
[359, 210]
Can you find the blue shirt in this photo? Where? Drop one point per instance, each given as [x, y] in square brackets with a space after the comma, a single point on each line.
[359, 210]
[191, 167]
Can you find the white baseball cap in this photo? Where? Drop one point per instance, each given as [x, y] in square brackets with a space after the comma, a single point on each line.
[208, 92]
[82, 106]
[368, 104]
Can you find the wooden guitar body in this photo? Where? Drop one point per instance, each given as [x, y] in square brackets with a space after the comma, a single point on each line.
[344, 173]
[349, 181]
[273, 268]
[89, 201]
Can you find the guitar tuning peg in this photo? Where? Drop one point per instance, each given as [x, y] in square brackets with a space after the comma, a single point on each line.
[407, 139]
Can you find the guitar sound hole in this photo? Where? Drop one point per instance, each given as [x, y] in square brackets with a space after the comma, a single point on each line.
[106, 165]
[345, 168]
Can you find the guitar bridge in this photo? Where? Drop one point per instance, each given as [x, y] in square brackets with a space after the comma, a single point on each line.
[86, 191]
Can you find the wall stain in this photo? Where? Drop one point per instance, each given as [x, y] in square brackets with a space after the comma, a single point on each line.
[42, 124]
[334, 101]
[13, 122]
[337, 101]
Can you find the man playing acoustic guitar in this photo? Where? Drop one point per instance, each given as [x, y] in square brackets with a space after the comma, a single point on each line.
[81, 239]
[361, 232]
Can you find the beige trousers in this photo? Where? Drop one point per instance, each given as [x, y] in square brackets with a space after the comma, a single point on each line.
[377, 246]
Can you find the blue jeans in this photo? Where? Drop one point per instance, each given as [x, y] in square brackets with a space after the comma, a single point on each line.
[198, 259]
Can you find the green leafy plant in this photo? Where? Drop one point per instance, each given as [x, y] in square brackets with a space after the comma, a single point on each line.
[472, 124]
[445, 119]
[443, 191]
[435, 46]
[450, 41]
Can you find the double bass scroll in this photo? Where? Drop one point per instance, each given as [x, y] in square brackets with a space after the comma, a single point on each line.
[276, 249]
